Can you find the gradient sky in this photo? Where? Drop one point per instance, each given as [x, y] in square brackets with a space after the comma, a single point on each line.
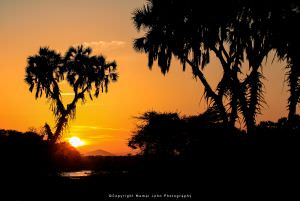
[107, 122]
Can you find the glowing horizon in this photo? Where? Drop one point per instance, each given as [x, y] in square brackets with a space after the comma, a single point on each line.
[106, 26]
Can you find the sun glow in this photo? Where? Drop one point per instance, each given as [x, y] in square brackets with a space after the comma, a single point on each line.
[76, 141]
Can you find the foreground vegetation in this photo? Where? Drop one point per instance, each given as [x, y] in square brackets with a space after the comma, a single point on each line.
[159, 136]
[178, 154]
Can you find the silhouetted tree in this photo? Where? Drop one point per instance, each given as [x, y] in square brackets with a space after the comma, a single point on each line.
[158, 134]
[251, 37]
[85, 74]
[280, 132]
[168, 134]
[286, 42]
[29, 154]
[232, 30]
[177, 33]
[187, 32]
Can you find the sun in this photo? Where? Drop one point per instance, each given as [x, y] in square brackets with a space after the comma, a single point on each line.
[75, 141]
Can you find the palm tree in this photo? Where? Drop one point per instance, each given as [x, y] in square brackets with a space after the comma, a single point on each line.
[86, 74]
[178, 33]
[293, 78]
[234, 31]
[187, 32]
[256, 44]
[286, 43]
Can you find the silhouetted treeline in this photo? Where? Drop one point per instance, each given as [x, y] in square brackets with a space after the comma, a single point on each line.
[203, 138]
[168, 134]
[29, 154]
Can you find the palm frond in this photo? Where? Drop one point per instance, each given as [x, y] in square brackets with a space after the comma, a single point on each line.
[83, 72]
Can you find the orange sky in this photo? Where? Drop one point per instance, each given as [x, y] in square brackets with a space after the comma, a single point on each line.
[107, 122]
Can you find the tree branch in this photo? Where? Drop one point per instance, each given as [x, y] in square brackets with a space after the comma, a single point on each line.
[222, 49]
[202, 78]
[210, 93]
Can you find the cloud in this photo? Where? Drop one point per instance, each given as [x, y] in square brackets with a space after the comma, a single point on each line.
[68, 94]
[104, 45]
[112, 129]
[97, 128]
[99, 137]
[85, 127]
[92, 136]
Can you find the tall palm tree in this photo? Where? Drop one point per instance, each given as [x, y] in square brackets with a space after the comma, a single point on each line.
[286, 43]
[293, 78]
[187, 32]
[178, 32]
[256, 42]
[234, 31]
[86, 74]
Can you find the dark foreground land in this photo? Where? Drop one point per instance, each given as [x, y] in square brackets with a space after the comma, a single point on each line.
[259, 177]
[219, 167]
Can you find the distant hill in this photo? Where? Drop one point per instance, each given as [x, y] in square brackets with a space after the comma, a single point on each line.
[98, 152]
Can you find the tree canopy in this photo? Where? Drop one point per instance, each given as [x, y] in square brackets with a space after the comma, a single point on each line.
[240, 34]
[87, 75]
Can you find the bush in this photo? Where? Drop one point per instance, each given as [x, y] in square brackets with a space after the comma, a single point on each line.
[28, 153]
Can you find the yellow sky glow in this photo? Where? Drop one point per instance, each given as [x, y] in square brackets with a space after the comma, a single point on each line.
[107, 122]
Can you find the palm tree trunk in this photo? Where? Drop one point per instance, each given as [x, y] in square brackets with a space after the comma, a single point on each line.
[235, 84]
[256, 95]
[253, 102]
[240, 91]
[234, 109]
[62, 122]
[219, 103]
[210, 93]
[293, 79]
[66, 114]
